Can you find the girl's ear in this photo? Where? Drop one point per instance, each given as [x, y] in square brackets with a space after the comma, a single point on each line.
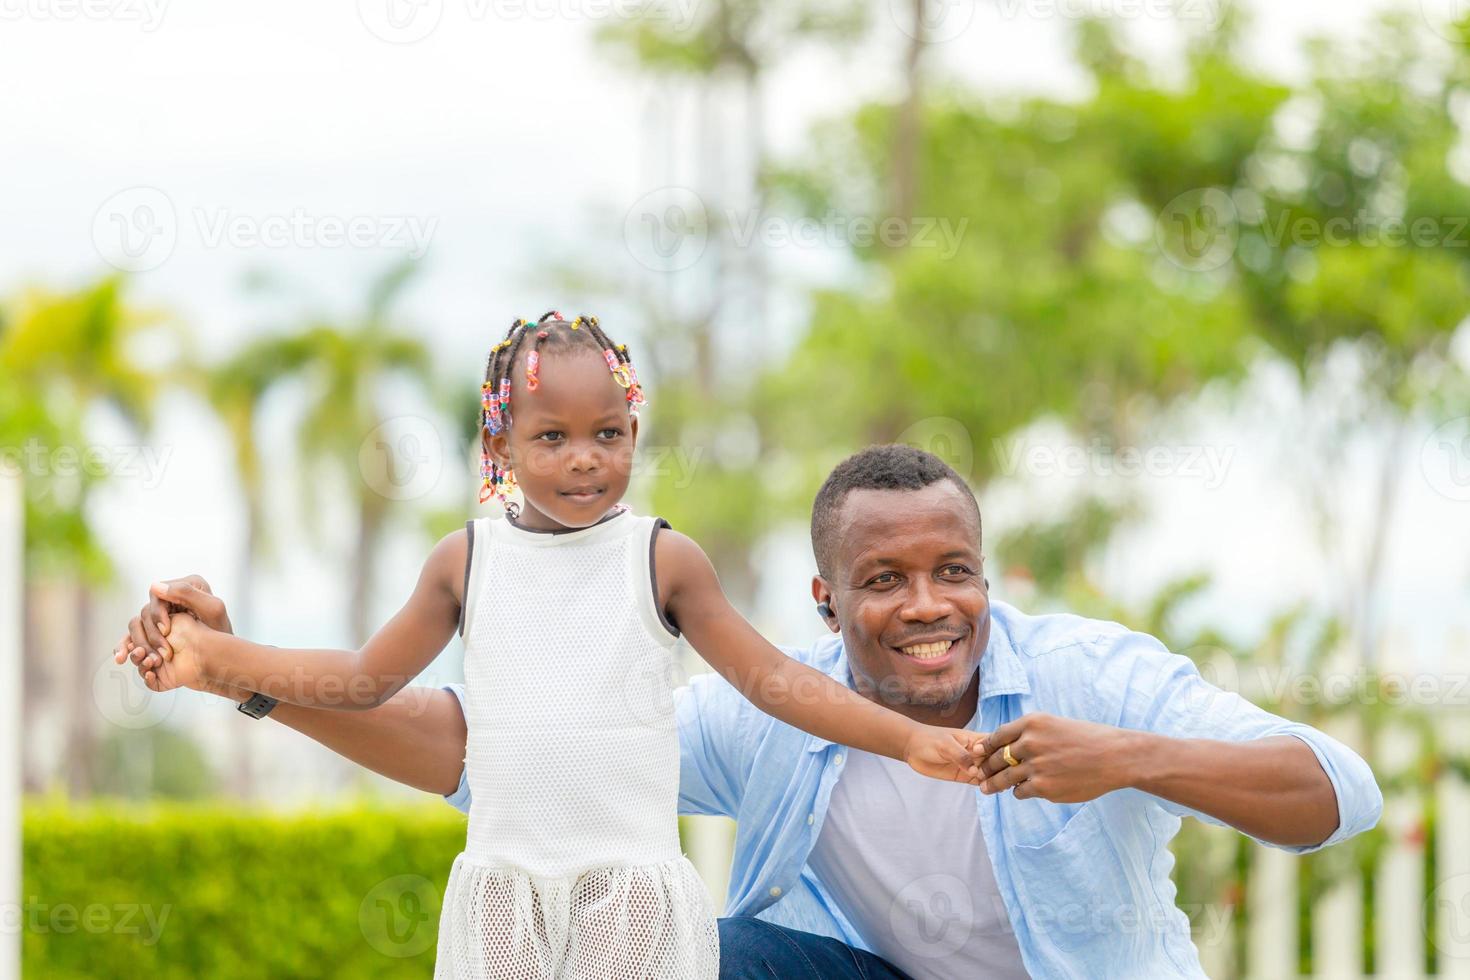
[498, 446]
[633, 430]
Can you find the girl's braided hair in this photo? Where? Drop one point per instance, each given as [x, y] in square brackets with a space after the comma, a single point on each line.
[552, 331]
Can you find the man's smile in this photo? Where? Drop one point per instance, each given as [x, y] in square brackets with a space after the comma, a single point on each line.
[931, 653]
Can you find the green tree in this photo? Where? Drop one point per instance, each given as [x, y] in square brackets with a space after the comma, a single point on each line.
[65, 355]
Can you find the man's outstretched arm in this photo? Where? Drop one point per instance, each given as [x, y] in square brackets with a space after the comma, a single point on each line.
[416, 738]
[1157, 726]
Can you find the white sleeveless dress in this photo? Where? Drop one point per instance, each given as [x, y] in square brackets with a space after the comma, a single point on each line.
[572, 867]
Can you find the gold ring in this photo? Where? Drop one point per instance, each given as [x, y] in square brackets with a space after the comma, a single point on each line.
[1010, 759]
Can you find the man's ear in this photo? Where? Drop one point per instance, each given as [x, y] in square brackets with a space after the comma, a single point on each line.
[822, 592]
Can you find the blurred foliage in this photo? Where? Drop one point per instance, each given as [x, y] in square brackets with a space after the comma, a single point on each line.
[245, 894]
[203, 891]
[61, 355]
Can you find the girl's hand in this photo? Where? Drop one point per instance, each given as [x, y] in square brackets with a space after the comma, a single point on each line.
[944, 753]
[184, 668]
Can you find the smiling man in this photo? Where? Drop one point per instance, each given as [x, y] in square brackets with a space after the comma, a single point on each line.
[849, 865]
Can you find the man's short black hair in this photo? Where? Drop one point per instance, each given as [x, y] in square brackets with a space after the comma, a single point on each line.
[892, 467]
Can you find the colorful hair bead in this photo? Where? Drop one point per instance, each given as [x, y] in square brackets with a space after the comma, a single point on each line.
[619, 371]
[533, 366]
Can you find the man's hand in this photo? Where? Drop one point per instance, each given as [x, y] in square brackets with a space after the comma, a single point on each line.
[1058, 759]
[148, 630]
[945, 753]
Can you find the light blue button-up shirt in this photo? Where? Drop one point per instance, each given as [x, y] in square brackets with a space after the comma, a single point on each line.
[1086, 886]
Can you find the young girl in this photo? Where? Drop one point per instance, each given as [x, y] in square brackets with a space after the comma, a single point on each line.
[571, 609]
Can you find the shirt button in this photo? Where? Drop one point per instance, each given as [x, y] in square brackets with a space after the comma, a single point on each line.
[776, 891]
[838, 759]
[811, 818]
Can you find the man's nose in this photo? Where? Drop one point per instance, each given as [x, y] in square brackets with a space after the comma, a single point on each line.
[925, 603]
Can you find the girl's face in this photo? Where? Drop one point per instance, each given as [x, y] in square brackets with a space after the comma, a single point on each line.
[570, 442]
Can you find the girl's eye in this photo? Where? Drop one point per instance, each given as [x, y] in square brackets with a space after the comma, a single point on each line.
[550, 436]
[610, 433]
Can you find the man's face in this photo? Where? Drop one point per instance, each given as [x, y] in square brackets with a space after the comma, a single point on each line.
[909, 593]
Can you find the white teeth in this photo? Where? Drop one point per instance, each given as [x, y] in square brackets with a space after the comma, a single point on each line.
[927, 651]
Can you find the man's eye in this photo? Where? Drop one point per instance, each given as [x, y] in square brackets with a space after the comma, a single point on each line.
[887, 578]
[956, 570]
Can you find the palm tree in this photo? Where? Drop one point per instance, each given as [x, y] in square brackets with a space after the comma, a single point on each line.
[344, 366]
[67, 353]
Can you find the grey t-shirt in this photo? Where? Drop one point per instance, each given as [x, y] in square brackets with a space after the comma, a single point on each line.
[903, 857]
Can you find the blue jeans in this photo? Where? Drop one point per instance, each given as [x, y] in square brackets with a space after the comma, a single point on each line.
[753, 949]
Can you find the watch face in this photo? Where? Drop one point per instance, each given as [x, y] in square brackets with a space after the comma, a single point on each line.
[258, 706]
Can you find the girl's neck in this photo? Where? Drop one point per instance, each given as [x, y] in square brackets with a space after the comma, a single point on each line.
[531, 519]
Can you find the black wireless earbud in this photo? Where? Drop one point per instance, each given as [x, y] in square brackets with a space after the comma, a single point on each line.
[824, 610]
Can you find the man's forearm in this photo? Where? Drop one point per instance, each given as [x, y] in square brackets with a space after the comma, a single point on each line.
[1272, 788]
[417, 738]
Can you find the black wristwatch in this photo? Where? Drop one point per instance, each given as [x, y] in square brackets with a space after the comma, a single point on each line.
[258, 706]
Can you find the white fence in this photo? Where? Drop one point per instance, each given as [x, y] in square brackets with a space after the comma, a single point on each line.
[1421, 890]
[11, 569]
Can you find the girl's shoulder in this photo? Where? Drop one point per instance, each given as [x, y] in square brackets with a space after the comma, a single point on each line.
[447, 562]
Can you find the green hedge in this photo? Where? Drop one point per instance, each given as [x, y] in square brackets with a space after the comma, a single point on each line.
[190, 891]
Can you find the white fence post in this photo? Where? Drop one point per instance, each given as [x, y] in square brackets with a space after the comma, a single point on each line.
[1451, 894]
[1399, 896]
[1271, 898]
[12, 550]
[1337, 917]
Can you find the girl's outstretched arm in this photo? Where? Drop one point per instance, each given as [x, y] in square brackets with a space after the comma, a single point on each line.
[789, 690]
[352, 680]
